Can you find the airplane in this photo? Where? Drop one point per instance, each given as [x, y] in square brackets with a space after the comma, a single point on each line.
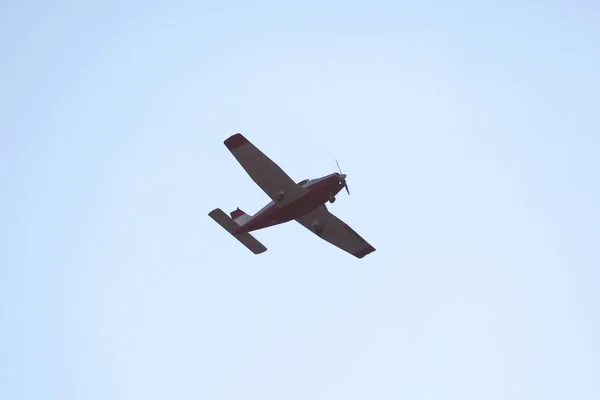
[304, 202]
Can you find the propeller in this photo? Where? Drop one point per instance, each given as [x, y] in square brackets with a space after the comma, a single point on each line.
[343, 177]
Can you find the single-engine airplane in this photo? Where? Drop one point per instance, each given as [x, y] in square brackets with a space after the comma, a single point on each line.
[303, 201]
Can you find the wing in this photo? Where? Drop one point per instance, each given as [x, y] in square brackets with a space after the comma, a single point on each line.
[336, 232]
[263, 171]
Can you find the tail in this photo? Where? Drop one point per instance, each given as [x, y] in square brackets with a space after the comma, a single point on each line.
[232, 224]
[240, 217]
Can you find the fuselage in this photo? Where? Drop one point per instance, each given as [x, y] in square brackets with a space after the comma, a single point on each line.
[318, 192]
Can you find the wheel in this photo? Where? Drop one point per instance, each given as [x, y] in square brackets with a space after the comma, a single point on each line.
[279, 197]
[318, 229]
[332, 199]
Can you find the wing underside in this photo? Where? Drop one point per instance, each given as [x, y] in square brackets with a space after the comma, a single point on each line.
[264, 172]
[336, 232]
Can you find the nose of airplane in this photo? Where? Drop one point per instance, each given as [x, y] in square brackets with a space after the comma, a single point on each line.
[342, 177]
[343, 181]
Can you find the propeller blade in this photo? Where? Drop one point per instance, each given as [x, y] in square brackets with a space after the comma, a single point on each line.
[343, 177]
[338, 165]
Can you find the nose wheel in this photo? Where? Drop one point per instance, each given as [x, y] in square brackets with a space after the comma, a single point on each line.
[331, 198]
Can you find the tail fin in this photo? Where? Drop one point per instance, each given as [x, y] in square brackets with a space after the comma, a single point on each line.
[240, 217]
[231, 226]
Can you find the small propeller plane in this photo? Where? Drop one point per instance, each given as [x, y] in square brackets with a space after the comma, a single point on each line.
[303, 201]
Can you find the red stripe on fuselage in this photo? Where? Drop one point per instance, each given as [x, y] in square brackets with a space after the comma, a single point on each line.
[318, 194]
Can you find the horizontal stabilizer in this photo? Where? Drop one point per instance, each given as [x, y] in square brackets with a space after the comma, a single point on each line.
[231, 226]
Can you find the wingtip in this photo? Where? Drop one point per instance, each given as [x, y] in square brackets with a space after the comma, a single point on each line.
[261, 251]
[362, 253]
[214, 211]
[235, 141]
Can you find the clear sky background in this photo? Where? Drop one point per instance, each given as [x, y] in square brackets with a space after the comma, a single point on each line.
[470, 134]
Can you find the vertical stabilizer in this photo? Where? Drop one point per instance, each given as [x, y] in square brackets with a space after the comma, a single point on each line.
[232, 226]
[240, 217]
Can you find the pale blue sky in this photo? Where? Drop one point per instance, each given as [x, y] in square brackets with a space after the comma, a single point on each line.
[470, 136]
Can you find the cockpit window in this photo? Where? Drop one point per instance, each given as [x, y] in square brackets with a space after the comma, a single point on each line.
[302, 183]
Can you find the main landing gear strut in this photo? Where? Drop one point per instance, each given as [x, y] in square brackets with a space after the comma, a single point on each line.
[318, 229]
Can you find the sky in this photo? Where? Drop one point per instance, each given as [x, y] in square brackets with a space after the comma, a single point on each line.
[470, 136]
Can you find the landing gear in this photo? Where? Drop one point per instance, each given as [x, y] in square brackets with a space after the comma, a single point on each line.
[279, 197]
[318, 229]
[331, 198]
